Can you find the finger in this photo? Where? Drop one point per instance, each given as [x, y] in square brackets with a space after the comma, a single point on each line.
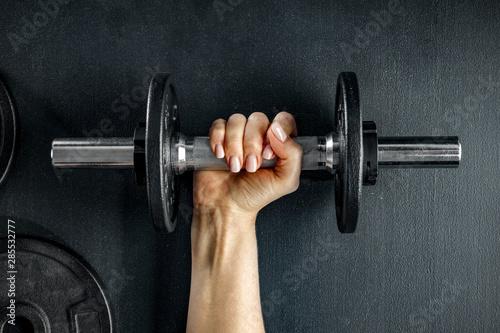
[267, 152]
[255, 131]
[233, 142]
[287, 121]
[217, 134]
[289, 164]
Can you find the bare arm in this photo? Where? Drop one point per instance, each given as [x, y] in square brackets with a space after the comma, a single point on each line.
[225, 279]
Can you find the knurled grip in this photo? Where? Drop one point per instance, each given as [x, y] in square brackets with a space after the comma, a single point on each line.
[199, 155]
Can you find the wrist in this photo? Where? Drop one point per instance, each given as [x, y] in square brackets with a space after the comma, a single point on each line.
[225, 217]
[218, 233]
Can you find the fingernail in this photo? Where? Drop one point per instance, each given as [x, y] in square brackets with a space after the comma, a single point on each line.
[267, 153]
[279, 132]
[219, 151]
[251, 163]
[234, 164]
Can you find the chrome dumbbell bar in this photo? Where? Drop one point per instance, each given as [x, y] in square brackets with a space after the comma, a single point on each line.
[194, 153]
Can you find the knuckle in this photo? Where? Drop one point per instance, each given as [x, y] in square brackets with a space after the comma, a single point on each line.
[253, 145]
[216, 136]
[217, 130]
[258, 116]
[288, 122]
[233, 146]
[218, 123]
[285, 116]
[236, 117]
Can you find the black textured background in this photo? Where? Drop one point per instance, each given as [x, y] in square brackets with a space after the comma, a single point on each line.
[425, 257]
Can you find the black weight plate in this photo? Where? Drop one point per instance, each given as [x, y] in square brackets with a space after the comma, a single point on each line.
[162, 121]
[350, 173]
[8, 132]
[55, 291]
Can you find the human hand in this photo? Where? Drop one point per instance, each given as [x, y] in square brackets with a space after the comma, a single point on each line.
[245, 142]
[225, 293]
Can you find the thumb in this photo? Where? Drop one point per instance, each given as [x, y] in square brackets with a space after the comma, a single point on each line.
[289, 164]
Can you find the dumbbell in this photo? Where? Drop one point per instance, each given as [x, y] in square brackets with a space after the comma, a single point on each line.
[159, 153]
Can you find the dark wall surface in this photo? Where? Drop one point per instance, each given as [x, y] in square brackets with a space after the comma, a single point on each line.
[425, 256]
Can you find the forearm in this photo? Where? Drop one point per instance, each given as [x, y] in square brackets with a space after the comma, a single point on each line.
[224, 279]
